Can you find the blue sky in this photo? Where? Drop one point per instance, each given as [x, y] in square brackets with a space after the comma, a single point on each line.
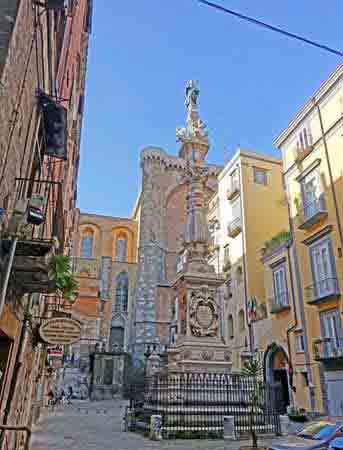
[251, 81]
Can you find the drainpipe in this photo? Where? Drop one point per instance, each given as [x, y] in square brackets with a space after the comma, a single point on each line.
[301, 305]
[7, 274]
[251, 338]
[334, 196]
[295, 317]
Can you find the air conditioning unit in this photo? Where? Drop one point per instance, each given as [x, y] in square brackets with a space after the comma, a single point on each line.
[18, 216]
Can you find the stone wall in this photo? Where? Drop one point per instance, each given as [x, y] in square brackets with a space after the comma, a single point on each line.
[161, 226]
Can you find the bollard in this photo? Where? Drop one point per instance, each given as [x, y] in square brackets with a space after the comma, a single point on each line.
[229, 428]
[155, 428]
[284, 425]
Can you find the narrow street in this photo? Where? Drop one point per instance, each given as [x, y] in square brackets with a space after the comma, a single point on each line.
[97, 425]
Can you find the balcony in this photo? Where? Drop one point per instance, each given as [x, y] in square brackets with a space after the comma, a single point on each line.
[321, 291]
[233, 190]
[234, 227]
[37, 217]
[328, 349]
[302, 152]
[312, 212]
[279, 303]
[86, 267]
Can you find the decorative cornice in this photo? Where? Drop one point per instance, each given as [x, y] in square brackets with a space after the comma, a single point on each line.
[320, 234]
[310, 104]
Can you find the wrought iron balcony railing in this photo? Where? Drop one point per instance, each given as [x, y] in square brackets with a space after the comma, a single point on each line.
[278, 303]
[322, 290]
[328, 348]
[86, 267]
[234, 227]
[312, 212]
[233, 190]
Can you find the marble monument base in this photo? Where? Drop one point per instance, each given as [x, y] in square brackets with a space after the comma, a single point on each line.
[199, 355]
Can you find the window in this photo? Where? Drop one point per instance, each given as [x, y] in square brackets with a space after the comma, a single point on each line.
[311, 193]
[241, 320]
[280, 286]
[304, 139]
[331, 331]
[87, 246]
[236, 209]
[323, 269]
[230, 326]
[122, 291]
[234, 180]
[116, 337]
[121, 249]
[260, 176]
[299, 343]
[226, 254]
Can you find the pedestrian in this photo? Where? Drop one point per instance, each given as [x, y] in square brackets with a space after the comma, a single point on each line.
[70, 395]
[51, 397]
[63, 397]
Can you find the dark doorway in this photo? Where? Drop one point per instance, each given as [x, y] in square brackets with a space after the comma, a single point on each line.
[281, 380]
[5, 351]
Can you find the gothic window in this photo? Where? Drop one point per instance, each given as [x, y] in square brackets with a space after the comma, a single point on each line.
[116, 338]
[87, 245]
[121, 245]
[122, 290]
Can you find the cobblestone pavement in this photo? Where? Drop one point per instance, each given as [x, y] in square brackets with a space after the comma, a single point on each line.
[97, 426]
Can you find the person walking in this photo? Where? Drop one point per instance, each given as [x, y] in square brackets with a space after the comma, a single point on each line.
[70, 395]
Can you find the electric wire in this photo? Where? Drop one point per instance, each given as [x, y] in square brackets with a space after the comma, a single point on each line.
[271, 27]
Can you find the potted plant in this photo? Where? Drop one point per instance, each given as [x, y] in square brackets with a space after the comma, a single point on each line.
[296, 414]
[253, 370]
[66, 284]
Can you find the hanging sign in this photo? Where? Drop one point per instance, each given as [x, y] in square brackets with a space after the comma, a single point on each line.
[60, 331]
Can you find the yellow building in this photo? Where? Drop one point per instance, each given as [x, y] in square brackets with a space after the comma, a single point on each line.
[248, 209]
[105, 252]
[313, 174]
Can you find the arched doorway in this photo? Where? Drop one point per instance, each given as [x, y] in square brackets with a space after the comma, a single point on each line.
[276, 374]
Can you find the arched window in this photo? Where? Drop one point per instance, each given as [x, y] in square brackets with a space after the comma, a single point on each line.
[122, 291]
[87, 245]
[121, 245]
[241, 320]
[230, 326]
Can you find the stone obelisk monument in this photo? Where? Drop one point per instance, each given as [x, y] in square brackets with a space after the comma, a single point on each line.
[198, 344]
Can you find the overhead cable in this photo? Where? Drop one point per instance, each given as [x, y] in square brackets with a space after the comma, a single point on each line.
[271, 27]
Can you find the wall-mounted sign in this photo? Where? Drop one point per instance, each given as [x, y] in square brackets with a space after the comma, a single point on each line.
[55, 351]
[60, 331]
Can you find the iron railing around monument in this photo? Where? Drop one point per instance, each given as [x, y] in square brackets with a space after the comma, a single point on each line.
[193, 405]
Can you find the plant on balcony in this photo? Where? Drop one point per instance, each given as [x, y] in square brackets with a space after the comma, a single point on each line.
[253, 370]
[60, 270]
[296, 414]
[276, 241]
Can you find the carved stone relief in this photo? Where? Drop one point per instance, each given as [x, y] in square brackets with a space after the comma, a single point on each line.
[204, 316]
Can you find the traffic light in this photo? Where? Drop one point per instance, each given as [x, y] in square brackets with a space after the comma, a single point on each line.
[54, 127]
[55, 4]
